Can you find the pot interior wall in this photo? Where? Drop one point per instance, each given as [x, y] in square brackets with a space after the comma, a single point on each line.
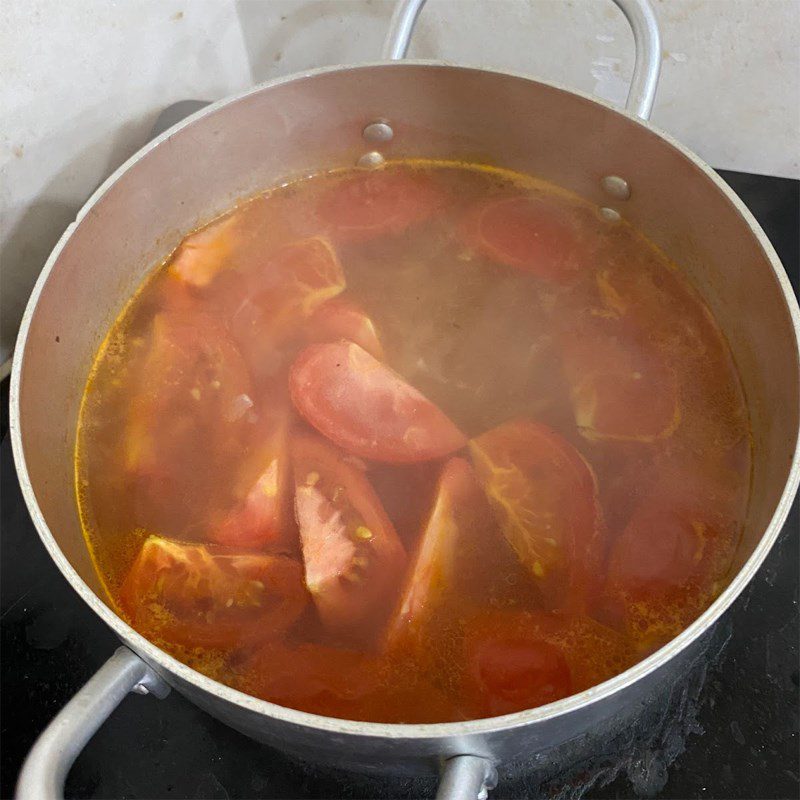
[314, 123]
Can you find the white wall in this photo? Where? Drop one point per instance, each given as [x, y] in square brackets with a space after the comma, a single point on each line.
[82, 81]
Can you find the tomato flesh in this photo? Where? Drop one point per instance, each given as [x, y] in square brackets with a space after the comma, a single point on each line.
[526, 234]
[377, 203]
[195, 596]
[341, 319]
[352, 554]
[544, 495]
[368, 409]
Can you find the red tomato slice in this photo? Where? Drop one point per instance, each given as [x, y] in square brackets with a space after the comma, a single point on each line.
[528, 234]
[667, 566]
[192, 596]
[262, 518]
[205, 253]
[367, 408]
[192, 374]
[450, 536]
[544, 495]
[353, 556]
[517, 660]
[621, 385]
[341, 319]
[377, 203]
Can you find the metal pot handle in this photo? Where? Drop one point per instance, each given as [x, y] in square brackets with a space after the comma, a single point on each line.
[467, 778]
[46, 767]
[639, 14]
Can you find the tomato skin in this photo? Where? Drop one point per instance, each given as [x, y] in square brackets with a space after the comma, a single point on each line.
[340, 319]
[544, 495]
[666, 566]
[366, 408]
[517, 660]
[352, 554]
[510, 667]
[457, 519]
[342, 683]
[262, 518]
[377, 203]
[194, 596]
[526, 234]
[621, 386]
[311, 677]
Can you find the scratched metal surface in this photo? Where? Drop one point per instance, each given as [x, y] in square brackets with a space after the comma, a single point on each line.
[728, 730]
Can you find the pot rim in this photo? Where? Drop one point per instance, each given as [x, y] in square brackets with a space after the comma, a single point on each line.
[166, 664]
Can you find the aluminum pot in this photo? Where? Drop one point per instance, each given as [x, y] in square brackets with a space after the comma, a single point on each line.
[336, 117]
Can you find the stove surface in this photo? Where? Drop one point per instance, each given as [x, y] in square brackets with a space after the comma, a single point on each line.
[729, 730]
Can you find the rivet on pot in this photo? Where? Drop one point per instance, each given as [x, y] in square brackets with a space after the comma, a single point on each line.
[378, 132]
[610, 215]
[372, 159]
[615, 186]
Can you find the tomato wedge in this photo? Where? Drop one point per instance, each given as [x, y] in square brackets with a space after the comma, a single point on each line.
[192, 395]
[451, 536]
[272, 304]
[353, 556]
[342, 319]
[377, 203]
[342, 683]
[513, 674]
[517, 660]
[311, 677]
[666, 566]
[190, 365]
[366, 408]
[528, 234]
[544, 495]
[262, 517]
[194, 596]
[300, 276]
[621, 386]
[205, 253]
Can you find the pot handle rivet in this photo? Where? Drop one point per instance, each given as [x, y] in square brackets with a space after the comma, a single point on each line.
[371, 160]
[616, 187]
[378, 132]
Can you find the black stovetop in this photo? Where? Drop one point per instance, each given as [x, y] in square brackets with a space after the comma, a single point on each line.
[738, 737]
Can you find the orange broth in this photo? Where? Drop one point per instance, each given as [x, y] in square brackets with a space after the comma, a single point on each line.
[426, 443]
